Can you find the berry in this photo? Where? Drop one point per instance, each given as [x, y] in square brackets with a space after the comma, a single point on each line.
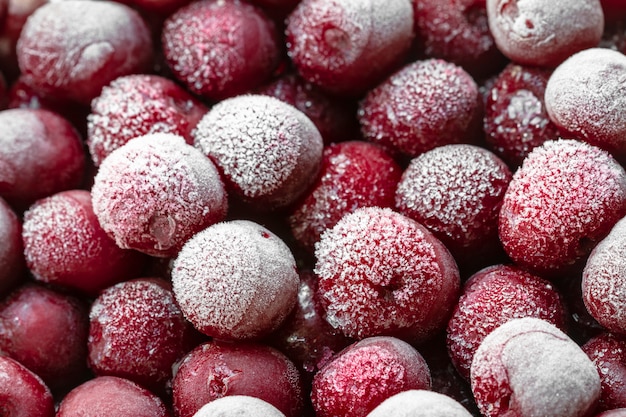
[237, 406]
[22, 393]
[608, 353]
[12, 262]
[420, 402]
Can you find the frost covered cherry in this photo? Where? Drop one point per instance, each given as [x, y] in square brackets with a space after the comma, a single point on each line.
[381, 273]
[584, 97]
[490, 298]
[23, 393]
[421, 403]
[544, 32]
[65, 245]
[528, 367]
[71, 49]
[457, 31]
[238, 406]
[604, 280]
[564, 199]
[365, 374]
[46, 331]
[138, 332]
[216, 370]
[268, 152]
[608, 353]
[220, 49]
[456, 191]
[348, 47]
[618, 412]
[423, 105]
[353, 174]
[40, 154]
[12, 265]
[136, 105]
[155, 192]
[516, 119]
[118, 396]
[235, 280]
[334, 117]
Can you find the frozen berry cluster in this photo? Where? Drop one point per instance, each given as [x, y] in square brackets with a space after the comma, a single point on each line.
[312, 208]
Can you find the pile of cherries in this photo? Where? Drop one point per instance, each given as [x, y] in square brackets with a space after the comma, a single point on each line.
[312, 208]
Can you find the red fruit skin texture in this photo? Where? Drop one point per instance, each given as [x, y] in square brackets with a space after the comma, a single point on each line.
[155, 192]
[490, 298]
[12, 264]
[305, 337]
[267, 151]
[564, 199]
[138, 332]
[423, 403]
[604, 280]
[245, 295]
[353, 174]
[220, 49]
[137, 105]
[215, 370]
[347, 48]
[41, 154]
[64, 245]
[365, 374]
[457, 31]
[544, 32]
[383, 274]
[72, 49]
[334, 117]
[424, 105]
[608, 353]
[618, 412]
[46, 331]
[158, 7]
[516, 119]
[584, 97]
[456, 191]
[111, 396]
[23, 393]
[527, 367]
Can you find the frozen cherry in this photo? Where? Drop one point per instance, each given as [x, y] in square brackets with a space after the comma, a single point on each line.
[41, 154]
[528, 367]
[220, 49]
[348, 47]
[65, 245]
[584, 96]
[136, 105]
[138, 332]
[365, 374]
[268, 151]
[457, 31]
[217, 370]
[490, 298]
[604, 280]
[354, 174]
[456, 192]
[71, 49]
[155, 192]
[382, 273]
[305, 337]
[544, 32]
[46, 331]
[334, 117]
[608, 353]
[159, 7]
[238, 406]
[244, 294]
[618, 412]
[516, 119]
[118, 396]
[421, 403]
[23, 393]
[564, 199]
[424, 105]
[12, 265]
